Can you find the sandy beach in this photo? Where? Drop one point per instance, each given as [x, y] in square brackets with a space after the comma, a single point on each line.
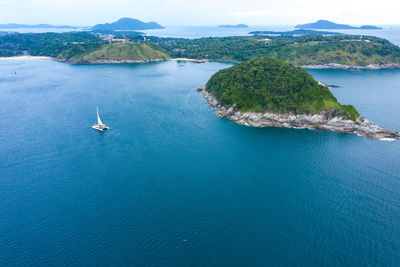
[189, 59]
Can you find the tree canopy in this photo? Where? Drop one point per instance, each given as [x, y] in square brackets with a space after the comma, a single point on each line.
[269, 84]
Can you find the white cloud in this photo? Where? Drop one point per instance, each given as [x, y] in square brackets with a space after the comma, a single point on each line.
[204, 12]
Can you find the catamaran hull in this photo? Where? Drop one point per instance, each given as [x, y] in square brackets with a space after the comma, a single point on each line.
[98, 128]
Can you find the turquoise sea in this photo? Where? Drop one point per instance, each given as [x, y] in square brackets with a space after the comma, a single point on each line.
[173, 185]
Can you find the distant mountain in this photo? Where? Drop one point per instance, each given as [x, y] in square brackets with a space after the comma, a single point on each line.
[326, 24]
[37, 26]
[127, 24]
[234, 26]
[294, 33]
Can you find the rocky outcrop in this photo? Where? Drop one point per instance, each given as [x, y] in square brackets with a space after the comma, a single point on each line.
[323, 121]
[353, 67]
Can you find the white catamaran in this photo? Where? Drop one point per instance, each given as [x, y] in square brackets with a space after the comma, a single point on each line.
[100, 126]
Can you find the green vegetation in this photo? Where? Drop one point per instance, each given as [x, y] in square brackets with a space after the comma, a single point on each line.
[269, 84]
[298, 50]
[46, 44]
[124, 51]
[79, 46]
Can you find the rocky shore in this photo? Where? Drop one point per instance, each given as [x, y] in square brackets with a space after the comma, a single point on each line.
[83, 61]
[323, 121]
[353, 67]
[311, 66]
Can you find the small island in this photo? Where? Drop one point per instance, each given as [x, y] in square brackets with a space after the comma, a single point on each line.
[269, 92]
[326, 24]
[240, 26]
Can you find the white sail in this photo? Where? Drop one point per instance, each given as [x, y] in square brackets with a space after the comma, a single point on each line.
[99, 122]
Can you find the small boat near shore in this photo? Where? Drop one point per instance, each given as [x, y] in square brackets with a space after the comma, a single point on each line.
[100, 126]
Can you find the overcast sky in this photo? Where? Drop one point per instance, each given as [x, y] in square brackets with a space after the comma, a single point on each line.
[200, 12]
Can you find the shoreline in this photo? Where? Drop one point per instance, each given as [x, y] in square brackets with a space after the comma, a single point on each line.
[107, 61]
[189, 59]
[322, 121]
[352, 67]
[25, 57]
[309, 66]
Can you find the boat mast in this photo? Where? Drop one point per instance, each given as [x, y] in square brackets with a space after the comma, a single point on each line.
[98, 117]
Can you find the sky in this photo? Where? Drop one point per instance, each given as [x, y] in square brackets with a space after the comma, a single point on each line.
[200, 12]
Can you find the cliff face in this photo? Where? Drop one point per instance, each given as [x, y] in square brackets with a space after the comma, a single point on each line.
[323, 121]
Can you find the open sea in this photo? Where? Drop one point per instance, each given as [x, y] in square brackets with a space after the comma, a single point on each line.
[173, 185]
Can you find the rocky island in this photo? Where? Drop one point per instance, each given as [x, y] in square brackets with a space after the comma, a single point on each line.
[270, 92]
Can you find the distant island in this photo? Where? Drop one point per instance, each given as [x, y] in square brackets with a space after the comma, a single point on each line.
[127, 24]
[234, 26]
[326, 24]
[294, 33]
[269, 92]
[36, 26]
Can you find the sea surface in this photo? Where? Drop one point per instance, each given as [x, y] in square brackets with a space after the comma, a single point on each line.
[173, 185]
[389, 32]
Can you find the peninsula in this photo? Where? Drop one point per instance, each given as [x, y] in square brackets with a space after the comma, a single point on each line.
[326, 24]
[269, 92]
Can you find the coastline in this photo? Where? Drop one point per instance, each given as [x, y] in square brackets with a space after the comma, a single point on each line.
[352, 67]
[113, 61]
[189, 59]
[107, 61]
[25, 57]
[322, 121]
[319, 66]
[309, 66]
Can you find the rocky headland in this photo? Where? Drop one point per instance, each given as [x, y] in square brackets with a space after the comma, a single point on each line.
[324, 121]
